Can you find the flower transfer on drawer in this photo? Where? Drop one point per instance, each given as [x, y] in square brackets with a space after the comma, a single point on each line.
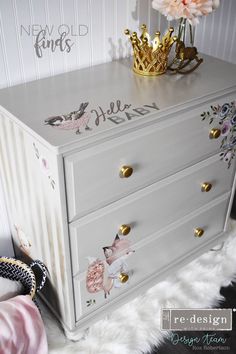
[225, 115]
[103, 275]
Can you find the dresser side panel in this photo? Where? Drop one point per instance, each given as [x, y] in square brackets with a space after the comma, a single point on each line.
[33, 181]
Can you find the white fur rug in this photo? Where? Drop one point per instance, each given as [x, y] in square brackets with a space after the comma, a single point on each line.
[135, 328]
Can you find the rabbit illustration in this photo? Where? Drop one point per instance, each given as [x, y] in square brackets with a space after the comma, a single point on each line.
[103, 275]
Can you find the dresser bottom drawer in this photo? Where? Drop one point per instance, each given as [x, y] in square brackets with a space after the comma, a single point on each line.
[150, 258]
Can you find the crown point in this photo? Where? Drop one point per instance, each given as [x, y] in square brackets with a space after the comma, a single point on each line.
[175, 38]
[143, 27]
[171, 29]
[157, 33]
[126, 31]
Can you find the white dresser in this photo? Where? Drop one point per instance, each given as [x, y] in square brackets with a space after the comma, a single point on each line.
[115, 180]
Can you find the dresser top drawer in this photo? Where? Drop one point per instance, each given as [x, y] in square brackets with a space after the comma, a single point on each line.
[107, 100]
[99, 176]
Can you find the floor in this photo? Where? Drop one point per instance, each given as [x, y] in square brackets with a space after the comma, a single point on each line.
[230, 337]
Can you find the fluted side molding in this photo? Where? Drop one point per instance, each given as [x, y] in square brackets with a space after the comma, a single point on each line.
[32, 197]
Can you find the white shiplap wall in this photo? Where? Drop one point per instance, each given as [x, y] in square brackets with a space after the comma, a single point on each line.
[106, 20]
[216, 33]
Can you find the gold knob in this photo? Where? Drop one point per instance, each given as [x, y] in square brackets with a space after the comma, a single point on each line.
[214, 133]
[126, 171]
[206, 187]
[198, 232]
[123, 277]
[124, 229]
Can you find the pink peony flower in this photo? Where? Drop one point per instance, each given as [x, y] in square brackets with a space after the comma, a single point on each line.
[94, 279]
[189, 9]
[172, 9]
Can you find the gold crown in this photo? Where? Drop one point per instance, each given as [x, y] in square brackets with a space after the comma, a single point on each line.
[151, 58]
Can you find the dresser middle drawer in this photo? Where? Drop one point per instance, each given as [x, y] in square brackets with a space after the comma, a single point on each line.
[148, 210]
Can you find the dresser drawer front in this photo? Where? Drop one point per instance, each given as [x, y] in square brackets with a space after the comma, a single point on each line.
[149, 210]
[93, 176]
[151, 258]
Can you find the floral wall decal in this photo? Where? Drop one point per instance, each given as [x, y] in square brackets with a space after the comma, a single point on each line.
[225, 116]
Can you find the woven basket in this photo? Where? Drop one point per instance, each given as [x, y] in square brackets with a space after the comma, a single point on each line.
[14, 269]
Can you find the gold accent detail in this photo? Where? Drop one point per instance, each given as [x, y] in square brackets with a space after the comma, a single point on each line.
[206, 187]
[126, 171]
[123, 277]
[151, 59]
[214, 133]
[198, 232]
[124, 229]
[26, 268]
